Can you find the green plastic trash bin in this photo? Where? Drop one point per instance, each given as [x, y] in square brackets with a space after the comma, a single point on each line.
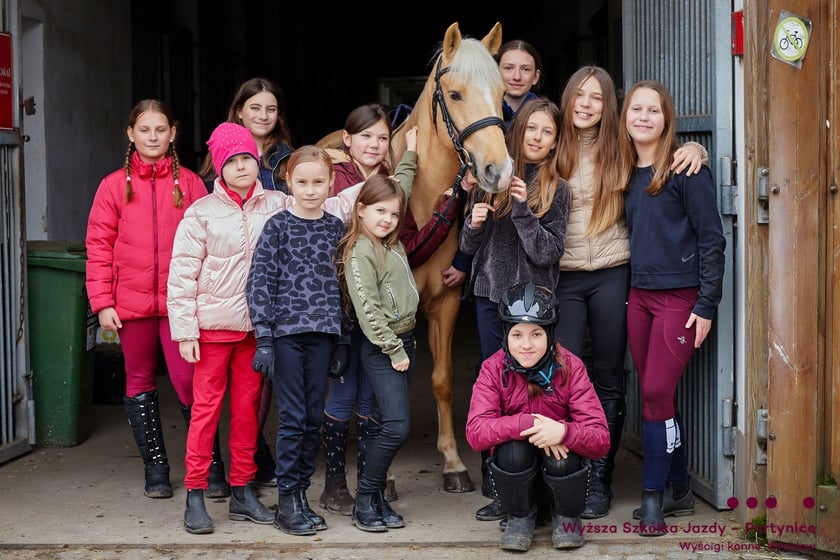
[60, 342]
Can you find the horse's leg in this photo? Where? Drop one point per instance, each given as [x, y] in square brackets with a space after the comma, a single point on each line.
[441, 316]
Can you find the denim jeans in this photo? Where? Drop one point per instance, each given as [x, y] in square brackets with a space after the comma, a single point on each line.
[353, 389]
[390, 413]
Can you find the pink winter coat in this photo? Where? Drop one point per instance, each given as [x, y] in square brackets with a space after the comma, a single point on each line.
[129, 245]
[500, 407]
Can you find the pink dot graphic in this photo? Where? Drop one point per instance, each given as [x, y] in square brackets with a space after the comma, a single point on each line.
[752, 502]
[770, 502]
[732, 502]
[809, 502]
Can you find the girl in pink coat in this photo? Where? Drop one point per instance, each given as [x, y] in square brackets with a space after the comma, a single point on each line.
[535, 408]
[130, 230]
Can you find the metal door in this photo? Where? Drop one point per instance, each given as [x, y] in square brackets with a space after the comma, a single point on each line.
[685, 45]
[16, 412]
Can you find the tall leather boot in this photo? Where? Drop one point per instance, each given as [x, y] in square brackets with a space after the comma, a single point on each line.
[568, 496]
[362, 427]
[143, 413]
[245, 505]
[600, 490]
[335, 497]
[196, 519]
[517, 495]
[289, 516]
[493, 510]
[264, 459]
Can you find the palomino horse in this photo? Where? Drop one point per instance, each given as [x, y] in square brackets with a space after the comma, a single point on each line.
[459, 125]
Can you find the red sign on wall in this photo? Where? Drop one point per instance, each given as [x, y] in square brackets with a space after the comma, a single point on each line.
[7, 97]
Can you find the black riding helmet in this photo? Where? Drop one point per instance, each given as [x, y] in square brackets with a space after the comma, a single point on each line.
[528, 303]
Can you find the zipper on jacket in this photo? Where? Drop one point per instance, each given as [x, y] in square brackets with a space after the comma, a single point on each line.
[156, 264]
[393, 300]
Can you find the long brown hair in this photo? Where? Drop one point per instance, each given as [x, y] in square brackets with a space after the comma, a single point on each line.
[608, 199]
[155, 106]
[280, 133]
[375, 189]
[543, 187]
[664, 149]
[365, 116]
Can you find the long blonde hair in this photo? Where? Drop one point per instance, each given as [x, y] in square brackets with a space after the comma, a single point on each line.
[608, 195]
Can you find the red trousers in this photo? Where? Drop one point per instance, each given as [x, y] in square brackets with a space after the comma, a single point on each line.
[210, 379]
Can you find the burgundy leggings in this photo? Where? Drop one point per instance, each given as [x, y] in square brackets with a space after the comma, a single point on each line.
[139, 340]
[660, 345]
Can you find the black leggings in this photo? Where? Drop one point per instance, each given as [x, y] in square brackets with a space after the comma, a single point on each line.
[518, 455]
[598, 300]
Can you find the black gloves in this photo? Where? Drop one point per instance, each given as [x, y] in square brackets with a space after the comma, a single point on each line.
[339, 361]
[264, 357]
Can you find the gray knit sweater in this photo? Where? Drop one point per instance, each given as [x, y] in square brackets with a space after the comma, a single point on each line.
[519, 247]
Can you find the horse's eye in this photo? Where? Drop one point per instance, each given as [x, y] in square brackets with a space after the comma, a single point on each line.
[455, 96]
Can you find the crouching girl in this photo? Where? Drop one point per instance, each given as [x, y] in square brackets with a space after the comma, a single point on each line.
[535, 408]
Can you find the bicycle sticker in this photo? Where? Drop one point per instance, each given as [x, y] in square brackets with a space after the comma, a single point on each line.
[791, 38]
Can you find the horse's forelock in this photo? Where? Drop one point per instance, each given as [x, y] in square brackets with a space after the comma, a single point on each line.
[473, 60]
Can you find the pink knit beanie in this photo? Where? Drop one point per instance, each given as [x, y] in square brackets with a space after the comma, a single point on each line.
[230, 139]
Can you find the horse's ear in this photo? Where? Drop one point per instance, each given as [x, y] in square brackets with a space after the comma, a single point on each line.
[451, 41]
[493, 40]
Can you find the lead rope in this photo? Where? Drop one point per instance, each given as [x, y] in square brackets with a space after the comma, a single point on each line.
[441, 216]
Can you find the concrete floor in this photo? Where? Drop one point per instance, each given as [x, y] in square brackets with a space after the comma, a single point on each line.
[87, 501]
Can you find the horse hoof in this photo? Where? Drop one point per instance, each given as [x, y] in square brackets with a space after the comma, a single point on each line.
[458, 482]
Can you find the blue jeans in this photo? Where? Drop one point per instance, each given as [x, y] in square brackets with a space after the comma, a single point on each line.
[300, 382]
[390, 414]
[353, 390]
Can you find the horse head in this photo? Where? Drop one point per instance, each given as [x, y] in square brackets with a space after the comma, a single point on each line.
[466, 91]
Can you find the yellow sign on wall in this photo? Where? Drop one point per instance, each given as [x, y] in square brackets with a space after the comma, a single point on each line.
[791, 38]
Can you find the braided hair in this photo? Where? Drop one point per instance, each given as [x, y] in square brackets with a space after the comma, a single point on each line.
[157, 106]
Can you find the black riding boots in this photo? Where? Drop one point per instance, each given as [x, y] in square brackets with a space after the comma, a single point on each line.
[246, 506]
[143, 413]
[651, 520]
[517, 495]
[677, 500]
[493, 510]
[290, 516]
[217, 484]
[600, 489]
[335, 497]
[196, 519]
[568, 496]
